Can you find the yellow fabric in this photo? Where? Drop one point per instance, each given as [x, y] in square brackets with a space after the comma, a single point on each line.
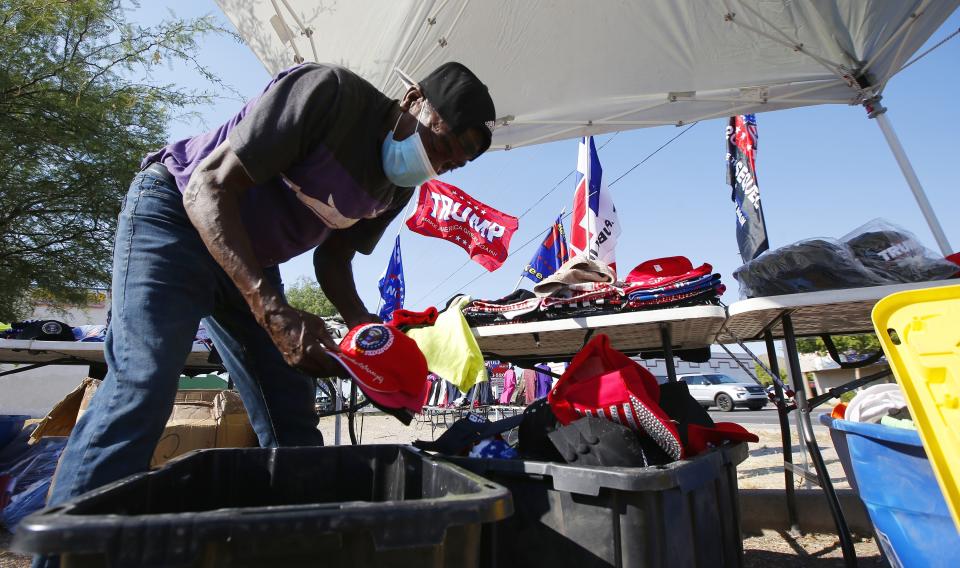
[450, 348]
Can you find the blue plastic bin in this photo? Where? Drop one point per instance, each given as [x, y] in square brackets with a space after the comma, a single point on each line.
[10, 426]
[896, 484]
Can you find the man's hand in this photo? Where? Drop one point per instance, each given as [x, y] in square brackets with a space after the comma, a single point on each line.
[303, 340]
[211, 200]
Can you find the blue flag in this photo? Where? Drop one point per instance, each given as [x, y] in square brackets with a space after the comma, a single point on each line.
[392, 288]
[551, 254]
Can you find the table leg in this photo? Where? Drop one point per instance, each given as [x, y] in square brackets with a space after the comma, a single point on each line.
[784, 434]
[803, 415]
[666, 342]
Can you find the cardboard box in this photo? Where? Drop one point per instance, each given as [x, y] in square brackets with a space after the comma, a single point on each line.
[200, 419]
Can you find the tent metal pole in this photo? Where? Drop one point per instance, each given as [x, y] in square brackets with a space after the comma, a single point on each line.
[911, 176]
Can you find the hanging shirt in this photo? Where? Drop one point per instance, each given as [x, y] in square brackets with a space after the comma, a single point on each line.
[509, 384]
[530, 385]
[544, 381]
[311, 144]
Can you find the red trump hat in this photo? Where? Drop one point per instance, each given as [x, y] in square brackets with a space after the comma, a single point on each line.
[386, 364]
[665, 271]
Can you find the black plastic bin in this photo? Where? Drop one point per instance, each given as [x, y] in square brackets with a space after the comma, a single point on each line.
[337, 506]
[685, 514]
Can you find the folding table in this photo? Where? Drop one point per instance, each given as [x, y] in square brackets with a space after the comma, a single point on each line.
[35, 354]
[665, 330]
[828, 312]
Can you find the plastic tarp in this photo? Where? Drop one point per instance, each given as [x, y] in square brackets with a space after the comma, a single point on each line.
[567, 68]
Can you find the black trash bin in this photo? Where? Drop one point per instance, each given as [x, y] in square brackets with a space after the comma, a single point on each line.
[344, 506]
[682, 515]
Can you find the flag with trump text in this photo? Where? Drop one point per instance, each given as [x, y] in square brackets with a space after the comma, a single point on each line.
[447, 212]
[594, 227]
[745, 194]
[551, 254]
[392, 287]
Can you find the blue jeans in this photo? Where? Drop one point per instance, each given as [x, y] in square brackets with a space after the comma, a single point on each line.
[164, 283]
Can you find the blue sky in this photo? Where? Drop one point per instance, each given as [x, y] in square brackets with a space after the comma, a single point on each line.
[822, 172]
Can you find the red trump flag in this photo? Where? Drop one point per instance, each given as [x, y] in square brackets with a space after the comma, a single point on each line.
[446, 212]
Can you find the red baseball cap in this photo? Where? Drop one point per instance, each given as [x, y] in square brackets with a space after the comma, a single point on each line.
[386, 364]
[701, 438]
[663, 271]
[605, 383]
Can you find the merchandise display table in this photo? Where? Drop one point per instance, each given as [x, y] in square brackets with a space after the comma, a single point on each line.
[39, 353]
[632, 332]
[813, 313]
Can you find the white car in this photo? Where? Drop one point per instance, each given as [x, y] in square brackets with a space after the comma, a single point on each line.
[725, 392]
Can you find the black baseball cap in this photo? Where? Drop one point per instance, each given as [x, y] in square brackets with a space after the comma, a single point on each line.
[464, 433]
[461, 99]
[44, 330]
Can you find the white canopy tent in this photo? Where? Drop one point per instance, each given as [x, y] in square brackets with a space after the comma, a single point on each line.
[567, 68]
[562, 69]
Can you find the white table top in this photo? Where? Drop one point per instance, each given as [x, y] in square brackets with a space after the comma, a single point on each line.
[813, 313]
[690, 327]
[29, 351]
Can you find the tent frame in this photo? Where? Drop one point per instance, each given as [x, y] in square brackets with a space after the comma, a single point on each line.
[853, 73]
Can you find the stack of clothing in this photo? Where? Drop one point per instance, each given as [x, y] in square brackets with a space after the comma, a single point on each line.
[580, 287]
[520, 305]
[671, 282]
[588, 287]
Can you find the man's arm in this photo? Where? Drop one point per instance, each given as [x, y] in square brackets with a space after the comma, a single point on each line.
[212, 203]
[333, 263]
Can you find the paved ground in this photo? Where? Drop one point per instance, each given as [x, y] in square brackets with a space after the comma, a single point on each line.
[764, 417]
[780, 550]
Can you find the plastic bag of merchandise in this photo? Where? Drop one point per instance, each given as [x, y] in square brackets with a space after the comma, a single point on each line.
[804, 266]
[895, 255]
[29, 500]
[28, 480]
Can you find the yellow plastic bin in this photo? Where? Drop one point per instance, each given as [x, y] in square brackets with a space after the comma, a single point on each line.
[920, 334]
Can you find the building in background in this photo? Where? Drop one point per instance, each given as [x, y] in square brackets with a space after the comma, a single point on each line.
[824, 373]
[719, 363]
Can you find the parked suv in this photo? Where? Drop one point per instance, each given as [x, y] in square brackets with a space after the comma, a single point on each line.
[725, 391]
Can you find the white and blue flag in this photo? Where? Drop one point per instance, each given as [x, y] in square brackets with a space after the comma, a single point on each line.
[594, 226]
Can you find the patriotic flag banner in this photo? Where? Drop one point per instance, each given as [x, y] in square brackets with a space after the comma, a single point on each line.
[447, 212]
[551, 254]
[594, 227]
[742, 177]
[392, 287]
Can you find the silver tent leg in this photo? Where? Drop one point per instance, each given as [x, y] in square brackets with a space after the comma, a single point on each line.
[877, 111]
[338, 406]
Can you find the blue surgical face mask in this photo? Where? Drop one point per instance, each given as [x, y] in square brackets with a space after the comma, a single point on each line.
[405, 162]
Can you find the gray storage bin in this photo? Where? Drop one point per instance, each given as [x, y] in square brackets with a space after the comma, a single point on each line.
[685, 514]
[379, 506]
